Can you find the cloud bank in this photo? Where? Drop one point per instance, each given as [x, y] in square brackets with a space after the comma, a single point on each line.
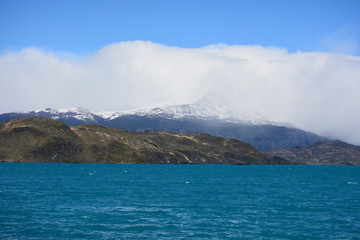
[315, 91]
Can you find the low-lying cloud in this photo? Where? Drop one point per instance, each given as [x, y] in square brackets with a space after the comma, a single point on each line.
[315, 91]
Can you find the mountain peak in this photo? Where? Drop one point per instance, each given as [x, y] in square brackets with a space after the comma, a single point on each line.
[204, 108]
[200, 109]
[202, 116]
[77, 110]
[77, 113]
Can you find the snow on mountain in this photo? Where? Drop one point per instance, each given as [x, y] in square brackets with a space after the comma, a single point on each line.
[215, 119]
[175, 111]
[198, 110]
[78, 113]
[201, 109]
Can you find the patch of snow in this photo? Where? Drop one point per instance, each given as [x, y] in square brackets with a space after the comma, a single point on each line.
[201, 109]
[78, 113]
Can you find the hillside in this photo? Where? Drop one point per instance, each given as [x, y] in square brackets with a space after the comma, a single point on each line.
[201, 116]
[324, 152]
[35, 139]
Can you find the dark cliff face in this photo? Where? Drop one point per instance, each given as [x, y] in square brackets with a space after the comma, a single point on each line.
[35, 139]
[325, 152]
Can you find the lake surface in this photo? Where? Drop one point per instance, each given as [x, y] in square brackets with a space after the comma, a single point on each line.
[109, 201]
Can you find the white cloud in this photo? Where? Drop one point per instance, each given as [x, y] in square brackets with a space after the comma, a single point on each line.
[315, 91]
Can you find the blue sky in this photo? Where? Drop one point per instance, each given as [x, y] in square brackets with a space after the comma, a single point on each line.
[295, 61]
[84, 26]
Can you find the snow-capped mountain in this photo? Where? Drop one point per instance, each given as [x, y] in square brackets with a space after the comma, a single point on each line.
[202, 116]
[201, 109]
[71, 116]
[78, 113]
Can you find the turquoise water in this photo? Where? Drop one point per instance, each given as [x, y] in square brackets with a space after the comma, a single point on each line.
[105, 201]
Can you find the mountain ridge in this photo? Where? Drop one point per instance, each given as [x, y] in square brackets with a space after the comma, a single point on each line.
[35, 139]
[201, 109]
[202, 116]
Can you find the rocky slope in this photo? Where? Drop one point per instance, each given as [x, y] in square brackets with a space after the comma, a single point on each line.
[201, 116]
[35, 139]
[324, 152]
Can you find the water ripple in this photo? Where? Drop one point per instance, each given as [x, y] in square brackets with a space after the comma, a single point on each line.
[65, 201]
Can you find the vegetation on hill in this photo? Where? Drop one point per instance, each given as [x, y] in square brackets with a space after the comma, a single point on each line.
[324, 152]
[35, 139]
[263, 137]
